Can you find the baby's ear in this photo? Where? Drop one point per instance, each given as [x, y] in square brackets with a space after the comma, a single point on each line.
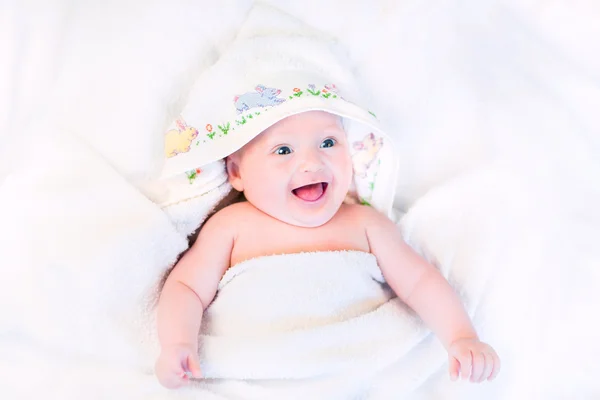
[233, 172]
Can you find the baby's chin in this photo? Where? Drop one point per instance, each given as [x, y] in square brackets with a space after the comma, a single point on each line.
[302, 220]
[308, 223]
[302, 216]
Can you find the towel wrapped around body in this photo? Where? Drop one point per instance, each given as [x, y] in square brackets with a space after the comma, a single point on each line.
[319, 322]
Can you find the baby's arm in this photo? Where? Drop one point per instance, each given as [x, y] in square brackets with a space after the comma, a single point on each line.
[188, 290]
[420, 285]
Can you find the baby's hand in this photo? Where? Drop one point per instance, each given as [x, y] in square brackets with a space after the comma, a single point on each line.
[176, 365]
[473, 359]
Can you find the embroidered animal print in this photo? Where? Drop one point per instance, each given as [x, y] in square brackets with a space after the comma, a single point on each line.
[262, 97]
[179, 140]
[366, 153]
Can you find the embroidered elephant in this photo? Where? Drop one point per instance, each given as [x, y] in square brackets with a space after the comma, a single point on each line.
[262, 97]
[366, 153]
[179, 140]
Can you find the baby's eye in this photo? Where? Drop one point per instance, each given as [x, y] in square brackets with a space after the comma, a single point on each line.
[328, 143]
[283, 150]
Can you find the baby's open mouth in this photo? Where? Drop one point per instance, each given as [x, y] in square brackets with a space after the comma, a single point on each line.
[312, 192]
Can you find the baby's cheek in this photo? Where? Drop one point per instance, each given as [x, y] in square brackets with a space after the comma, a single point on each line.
[272, 184]
[348, 167]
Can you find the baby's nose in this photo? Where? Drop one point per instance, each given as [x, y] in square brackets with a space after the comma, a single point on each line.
[311, 163]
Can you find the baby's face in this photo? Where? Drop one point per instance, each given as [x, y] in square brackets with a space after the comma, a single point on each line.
[298, 171]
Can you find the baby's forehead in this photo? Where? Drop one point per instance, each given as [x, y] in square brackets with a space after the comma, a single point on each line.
[293, 125]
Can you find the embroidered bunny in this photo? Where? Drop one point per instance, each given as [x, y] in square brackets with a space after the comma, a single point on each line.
[366, 153]
[179, 140]
[262, 97]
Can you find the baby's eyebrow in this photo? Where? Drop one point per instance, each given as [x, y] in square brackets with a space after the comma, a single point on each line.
[338, 124]
[335, 130]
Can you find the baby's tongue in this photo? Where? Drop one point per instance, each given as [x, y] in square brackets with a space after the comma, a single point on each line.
[310, 192]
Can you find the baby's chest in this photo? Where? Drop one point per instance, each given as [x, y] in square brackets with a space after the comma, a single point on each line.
[270, 239]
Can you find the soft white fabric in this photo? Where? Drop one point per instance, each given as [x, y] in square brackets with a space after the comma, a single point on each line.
[83, 298]
[505, 83]
[318, 325]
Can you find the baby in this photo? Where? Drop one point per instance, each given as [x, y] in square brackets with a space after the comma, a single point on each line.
[295, 177]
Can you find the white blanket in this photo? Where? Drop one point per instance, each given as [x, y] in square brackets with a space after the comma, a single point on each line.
[495, 104]
[303, 324]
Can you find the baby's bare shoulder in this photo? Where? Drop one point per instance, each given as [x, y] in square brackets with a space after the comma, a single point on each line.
[362, 215]
[235, 210]
[233, 215]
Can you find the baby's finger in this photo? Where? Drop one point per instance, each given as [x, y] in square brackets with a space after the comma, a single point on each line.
[478, 366]
[185, 378]
[193, 366]
[466, 362]
[496, 369]
[489, 367]
[454, 368]
[185, 375]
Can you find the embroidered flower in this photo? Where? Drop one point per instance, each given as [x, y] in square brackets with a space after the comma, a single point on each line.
[331, 87]
[297, 93]
[209, 127]
[225, 128]
[324, 90]
[313, 90]
[192, 175]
